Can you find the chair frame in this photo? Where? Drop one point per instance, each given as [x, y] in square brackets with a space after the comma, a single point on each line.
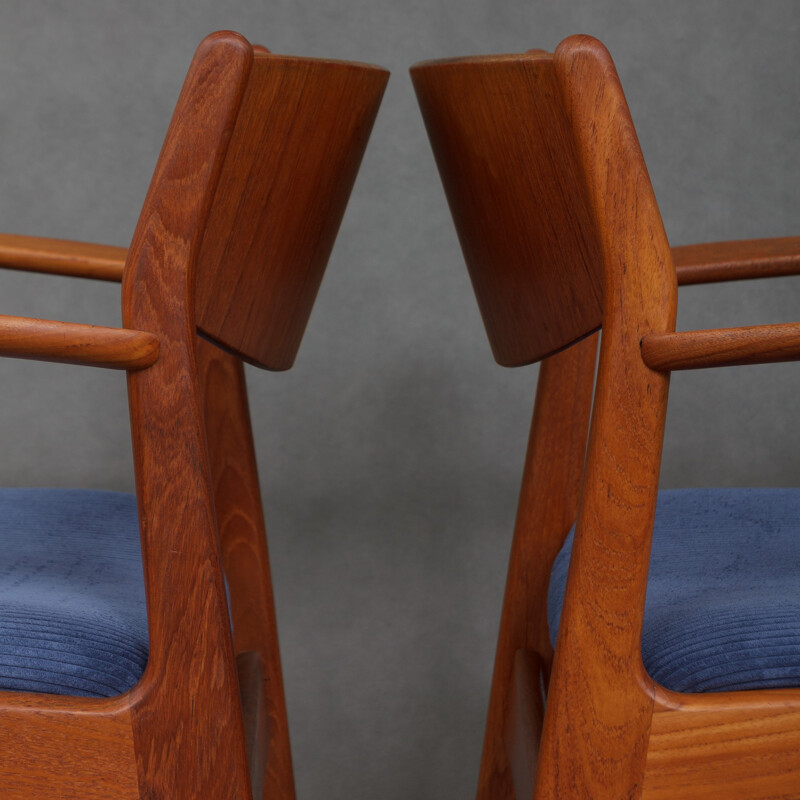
[208, 717]
[588, 721]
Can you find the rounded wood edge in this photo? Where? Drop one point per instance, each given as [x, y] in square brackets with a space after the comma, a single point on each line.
[721, 347]
[600, 701]
[482, 60]
[75, 343]
[187, 732]
[744, 259]
[362, 66]
[726, 744]
[262, 52]
[60, 257]
[750, 700]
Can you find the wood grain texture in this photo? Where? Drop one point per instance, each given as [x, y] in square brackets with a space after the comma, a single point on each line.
[180, 734]
[738, 745]
[284, 203]
[531, 248]
[596, 728]
[596, 725]
[186, 717]
[95, 760]
[66, 747]
[722, 347]
[738, 260]
[73, 343]
[709, 262]
[240, 519]
[58, 257]
[608, 730]
[547, 509]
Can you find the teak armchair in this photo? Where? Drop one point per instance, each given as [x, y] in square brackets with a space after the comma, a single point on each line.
[232, 241]
[695, 694]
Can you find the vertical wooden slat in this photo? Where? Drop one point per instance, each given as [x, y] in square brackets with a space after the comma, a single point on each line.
[547, 509]
[240, 518]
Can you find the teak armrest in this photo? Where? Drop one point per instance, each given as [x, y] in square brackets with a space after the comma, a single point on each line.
[57, 257]
[73, 343]
[735, 261]
[722, 347]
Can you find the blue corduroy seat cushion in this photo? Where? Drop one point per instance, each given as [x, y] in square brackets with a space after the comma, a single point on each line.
[723, 595]
[72, 605]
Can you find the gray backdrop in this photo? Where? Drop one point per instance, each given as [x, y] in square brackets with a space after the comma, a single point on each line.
[390, 456]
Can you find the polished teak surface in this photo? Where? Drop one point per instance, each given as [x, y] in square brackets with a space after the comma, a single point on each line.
[208, 718]
[562, 234]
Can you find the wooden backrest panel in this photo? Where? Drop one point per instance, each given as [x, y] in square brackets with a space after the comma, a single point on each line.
[507, 161]
[293, 157]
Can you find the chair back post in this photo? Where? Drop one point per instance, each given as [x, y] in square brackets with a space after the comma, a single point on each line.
[236, 231]
[546, 511]
[243, 539]
[287, 175]
[508, 163]
[561, 232]
[598, 676]
[186, 715]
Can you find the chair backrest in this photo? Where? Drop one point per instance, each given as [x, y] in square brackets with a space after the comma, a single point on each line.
[299, 130]
[277, 210]
[504, 147]
[234, 234]
[561, 231]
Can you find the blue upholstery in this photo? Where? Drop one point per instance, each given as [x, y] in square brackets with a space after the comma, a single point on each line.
[72, 607]
[723, 596]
